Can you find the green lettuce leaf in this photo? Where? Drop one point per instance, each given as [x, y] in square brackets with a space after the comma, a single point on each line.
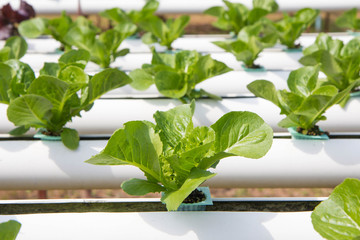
[5, 82]
[79, 58]
[140, 187]
[18, 47]
[338, 216]
[349, 20]
[137, 144]
[70, 138]
[141, 79]
[33, 28]
[165, 32]
[175, 85]
[173, 199]
[172, 125]
[50, 69]
[242, 134]
[30, 110]
[9, 230]
[105, 81]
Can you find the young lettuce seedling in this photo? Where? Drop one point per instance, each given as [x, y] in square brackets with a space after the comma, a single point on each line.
[103, 48]
[175, 156]
[176, 75]
[306, 102]
[119, 16]
[250, 42]
[61, 92]
[338, 216]
[237, 16]
[349, 20]
[339, 62]
[289, 28]
[165, 33]
[58, 28]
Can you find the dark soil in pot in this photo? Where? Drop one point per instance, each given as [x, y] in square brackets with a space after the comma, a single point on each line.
[195, 197]
[315, 131]
[48, 133]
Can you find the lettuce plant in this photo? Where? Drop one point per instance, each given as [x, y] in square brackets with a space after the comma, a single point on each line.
[175, 156]
[324, 42]
[250, 42]
[338, 216]
[289, 28]
[15, 79]
[104, 48]
[61, 92]
[165, 33]
[349, 20]
[119, 16]
[15, 48]
[238, 16]
[306, 102]
[15, 76]
[10, 18]
[58, 28]
[339, 62]
[9, 230]
[176, 75]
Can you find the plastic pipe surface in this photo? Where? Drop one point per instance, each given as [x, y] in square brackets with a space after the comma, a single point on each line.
[107, 115]
[289, 163]
[166, 225]
[174, 6]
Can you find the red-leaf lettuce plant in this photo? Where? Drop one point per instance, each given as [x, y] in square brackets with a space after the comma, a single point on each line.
[338, 216]
[237, 16]
[289, 28]
[175, 156]
[10, 18]
[338, 61]
[250, 42]
[61, 92]
[176, 75]
[306, 102]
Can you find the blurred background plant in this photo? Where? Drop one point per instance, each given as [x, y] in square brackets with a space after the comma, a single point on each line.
[10, 18]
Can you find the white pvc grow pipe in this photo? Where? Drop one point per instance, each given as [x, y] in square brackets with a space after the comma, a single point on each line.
[200, 43]
[276, 60]
[42, 50]
[174, 6]
[289, 163]
[166, 225]
[107, 115]
[230, 84]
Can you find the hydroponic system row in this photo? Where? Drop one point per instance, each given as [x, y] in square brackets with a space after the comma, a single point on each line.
[144, 107]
